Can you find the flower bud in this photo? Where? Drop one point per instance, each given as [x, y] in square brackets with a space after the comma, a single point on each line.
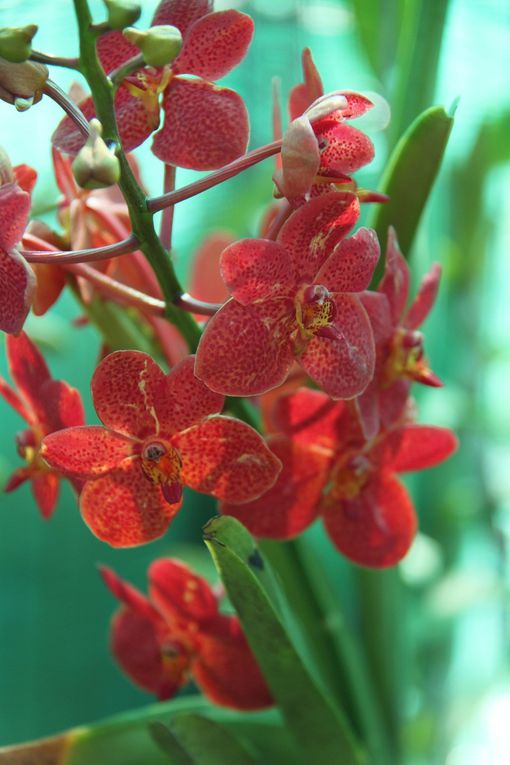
[22, 84]
[160, 45]
[95, 165]
[122, 13]
[15, 42]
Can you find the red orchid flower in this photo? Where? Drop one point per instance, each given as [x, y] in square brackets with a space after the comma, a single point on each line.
[17, 279]
[295, 298]
[206, 126]
[400, 358]
[177, 634]
[161, 431]
[46, 405]
[319, 149]
[329, 469]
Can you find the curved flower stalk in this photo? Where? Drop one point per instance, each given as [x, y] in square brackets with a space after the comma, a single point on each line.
[400, 357]
[161, 432]
[178, 633]
[296, 298]
[17, 279]
[331, 470]
[46, 405]
[205, 126]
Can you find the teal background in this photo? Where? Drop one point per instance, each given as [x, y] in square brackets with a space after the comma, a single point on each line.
[55, 669]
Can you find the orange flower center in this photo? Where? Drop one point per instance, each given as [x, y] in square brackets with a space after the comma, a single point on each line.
[349, 477]
[315, 312]
[162, 464]
[147, 84]
[28, 443]
[406, 357]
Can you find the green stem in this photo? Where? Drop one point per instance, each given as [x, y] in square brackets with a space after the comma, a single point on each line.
[141, 218]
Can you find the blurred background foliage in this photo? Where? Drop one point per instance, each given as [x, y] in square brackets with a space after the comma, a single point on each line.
[434, 632]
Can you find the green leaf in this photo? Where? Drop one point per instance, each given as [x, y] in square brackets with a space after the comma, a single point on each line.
[409, 177]
[319, 728]
[195, 740]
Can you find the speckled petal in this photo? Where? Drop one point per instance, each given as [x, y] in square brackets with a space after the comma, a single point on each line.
[205, 280]
[291, 505]
[424, 300]
[50, 280]
[17, 287]
[135, 645]
[311, 233]
[124, 508]
[14, 209]
[45, 488]
[114, 50]
[205, 126]
[28, 370]
[395, 282]
[181, 13]
[310, 418]
[351, 265]
[226, 458]
[181, 594]
[240, 354]
[187, 399]
[300, 159]
[304, 94]
[63, 407]
[12, 398]
[129, 392]
[226, 669]
[128, 595]
[215, 44]
[344, 149]
[376, 528]
[135, 122]
[343, 367]
[378, 309]
[86, 452]
[253, 269]
[423, 446]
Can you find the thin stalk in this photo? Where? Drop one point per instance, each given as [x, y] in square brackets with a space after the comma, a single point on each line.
[155, 204]
[52, 90]
[167, 216]
[118, 291]
[51, 256]
[125, 69]
[44, 58]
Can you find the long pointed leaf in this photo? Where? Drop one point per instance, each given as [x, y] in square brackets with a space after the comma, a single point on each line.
[318, 727]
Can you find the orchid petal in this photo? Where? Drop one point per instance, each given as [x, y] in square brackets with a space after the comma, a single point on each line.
[311, 233]
[423, 446]
[181, 13]
[135, 645]
[226, 458]
[187, 399]
[344, 366]
[215, 44]
[424, 300]
[12, 398]
[300, 159]
[61, 406]
[28, 370]
[14, 209]
[343, 149]
[50, 281]
[17, 286]
[304, 94]
[395, 282]
[45, 488]
[86, 452]
[310, 418]
[244, 352]
[351, 265]
[226, 669]
[378, 309]
[180, 594]
[254, 269]
[114, 50]
[290, 506]
[129, 596]
[205, 126]
[129, 392]
[205, 280]
[376, 527]
[124, 508]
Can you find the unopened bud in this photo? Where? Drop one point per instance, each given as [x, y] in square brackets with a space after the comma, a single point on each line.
[160, 45]
[95, 165]
[122, 13]
[15, 43]
[22, 84]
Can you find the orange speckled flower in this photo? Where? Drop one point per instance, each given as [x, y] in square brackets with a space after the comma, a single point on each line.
[46, 405]
[178, 633]
[206, 126]
[158, 436]
[330, 469]
[295, 298]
